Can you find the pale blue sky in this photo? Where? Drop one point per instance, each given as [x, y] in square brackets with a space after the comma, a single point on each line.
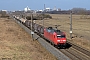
[39, 4]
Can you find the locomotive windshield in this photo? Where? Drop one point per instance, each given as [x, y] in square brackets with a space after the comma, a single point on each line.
[60, 36]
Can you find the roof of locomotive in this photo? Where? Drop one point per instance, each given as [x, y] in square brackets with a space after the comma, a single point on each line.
[51, 30]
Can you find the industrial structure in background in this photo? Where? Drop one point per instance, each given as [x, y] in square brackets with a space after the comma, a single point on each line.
[79, 11]
[44, 13]
[27, 9]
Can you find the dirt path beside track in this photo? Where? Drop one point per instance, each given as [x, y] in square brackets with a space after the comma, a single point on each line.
[16, 44]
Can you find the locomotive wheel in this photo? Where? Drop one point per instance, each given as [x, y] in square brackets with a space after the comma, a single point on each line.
[51, 43]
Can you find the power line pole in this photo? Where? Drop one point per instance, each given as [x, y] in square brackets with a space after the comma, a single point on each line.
[44, 7]
[71, 25]
[43, 20]
[43, 14]
[31, 26]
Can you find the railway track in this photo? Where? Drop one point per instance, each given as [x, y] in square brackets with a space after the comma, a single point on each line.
[75, 52]
[80, 49]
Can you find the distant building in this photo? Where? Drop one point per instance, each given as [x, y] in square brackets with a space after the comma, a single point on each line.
[58, 9]
[48, 9]
[55, 9]
[4, 10]
[27, 9]
[41, 10]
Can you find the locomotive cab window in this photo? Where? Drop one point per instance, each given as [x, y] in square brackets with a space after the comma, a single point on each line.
[60, 36]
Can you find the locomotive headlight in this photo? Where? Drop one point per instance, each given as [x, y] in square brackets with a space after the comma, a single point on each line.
[58, 40]
[64, 40]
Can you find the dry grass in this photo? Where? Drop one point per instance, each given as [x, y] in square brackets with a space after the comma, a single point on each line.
[81, 29]
[16, 44]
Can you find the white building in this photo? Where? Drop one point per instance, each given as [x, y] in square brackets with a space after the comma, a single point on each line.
[41, 10]
[4, 10]
[48, 9]
[26, 9]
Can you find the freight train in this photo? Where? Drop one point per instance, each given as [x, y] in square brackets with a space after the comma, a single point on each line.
[54, 36]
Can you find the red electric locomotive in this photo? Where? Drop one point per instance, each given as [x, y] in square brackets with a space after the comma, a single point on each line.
[55, 36]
